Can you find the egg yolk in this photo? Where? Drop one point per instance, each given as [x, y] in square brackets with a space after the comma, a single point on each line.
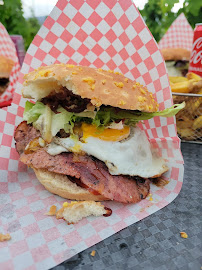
[107, 134]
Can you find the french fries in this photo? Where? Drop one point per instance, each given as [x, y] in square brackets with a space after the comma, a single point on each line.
[197, 123]
[194, 76]
[186, 133]
[183, 86]
[189, 120]
[177, 79]
[186, 84]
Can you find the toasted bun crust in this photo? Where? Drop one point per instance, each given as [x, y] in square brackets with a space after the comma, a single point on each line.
[6, 66]
[100, 86]
[60, 185]
[175, 54]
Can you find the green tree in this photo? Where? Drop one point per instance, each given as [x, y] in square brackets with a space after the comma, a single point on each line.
[192, 10]
[11, 16]
[158, 14]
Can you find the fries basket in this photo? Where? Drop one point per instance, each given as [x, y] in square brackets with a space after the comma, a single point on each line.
[189, 120]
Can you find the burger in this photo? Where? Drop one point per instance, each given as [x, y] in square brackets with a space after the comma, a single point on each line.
[6, 66]
[177, 61]
[81, 135]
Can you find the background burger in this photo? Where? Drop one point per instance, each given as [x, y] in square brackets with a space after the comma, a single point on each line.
[81, 136]
[6, 66]
[177, 61]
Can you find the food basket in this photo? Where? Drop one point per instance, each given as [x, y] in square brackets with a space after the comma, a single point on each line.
[189, 120]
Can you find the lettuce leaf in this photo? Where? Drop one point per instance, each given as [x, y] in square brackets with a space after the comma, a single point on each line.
[109, 114]
[33, 111]
[37, 114]
[44, 124]
[61, 121]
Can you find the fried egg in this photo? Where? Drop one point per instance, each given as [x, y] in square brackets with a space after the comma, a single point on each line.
[123, 151]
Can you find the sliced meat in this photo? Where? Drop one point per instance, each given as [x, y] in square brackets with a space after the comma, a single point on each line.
[4, 81]
[68, 100]
[93, 173]
[24, 133]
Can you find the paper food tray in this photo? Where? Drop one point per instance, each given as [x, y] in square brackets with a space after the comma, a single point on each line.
[7, 49]
[102, 34]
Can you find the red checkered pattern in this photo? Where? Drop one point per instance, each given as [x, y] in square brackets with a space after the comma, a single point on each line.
[7, 48]
[103, 34]
[179, 35]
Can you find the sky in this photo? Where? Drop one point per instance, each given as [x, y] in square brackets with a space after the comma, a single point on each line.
[44, 7]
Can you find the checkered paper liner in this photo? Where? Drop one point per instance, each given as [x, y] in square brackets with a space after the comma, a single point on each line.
[102, 34]
[179, 35]
[7, 48]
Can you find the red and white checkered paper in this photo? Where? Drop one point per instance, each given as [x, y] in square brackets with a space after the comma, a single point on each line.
[7, 48]
[103, 34]
[179, 35]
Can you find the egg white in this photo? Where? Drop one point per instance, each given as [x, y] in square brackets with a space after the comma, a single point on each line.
[132, 156]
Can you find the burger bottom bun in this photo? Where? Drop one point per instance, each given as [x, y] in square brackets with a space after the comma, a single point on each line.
[59, 184]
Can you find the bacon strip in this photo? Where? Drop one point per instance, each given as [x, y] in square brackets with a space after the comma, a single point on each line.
[90, 171]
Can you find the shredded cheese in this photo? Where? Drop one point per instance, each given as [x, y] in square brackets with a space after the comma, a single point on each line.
[126, 79]
[119, 84]
[90, 81]
[141, 99]
[70, 66]
[121, 102]
[142, 91]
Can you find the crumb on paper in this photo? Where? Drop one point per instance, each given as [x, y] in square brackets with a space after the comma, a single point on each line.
[52, 211]
[150, 197]
[4, 237]
[183, 235]
[93, 253]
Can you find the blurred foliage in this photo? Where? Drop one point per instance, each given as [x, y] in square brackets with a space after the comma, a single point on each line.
[11, 16]
[158, 14]
[193, 11]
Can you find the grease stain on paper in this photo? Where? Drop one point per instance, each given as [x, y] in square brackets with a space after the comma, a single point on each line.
[6, 211]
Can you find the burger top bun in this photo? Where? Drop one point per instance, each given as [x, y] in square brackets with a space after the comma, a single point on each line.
[100, 86]
[6, 66]
[175, 54]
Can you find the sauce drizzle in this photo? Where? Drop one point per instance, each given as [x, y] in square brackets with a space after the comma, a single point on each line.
[109, 212]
